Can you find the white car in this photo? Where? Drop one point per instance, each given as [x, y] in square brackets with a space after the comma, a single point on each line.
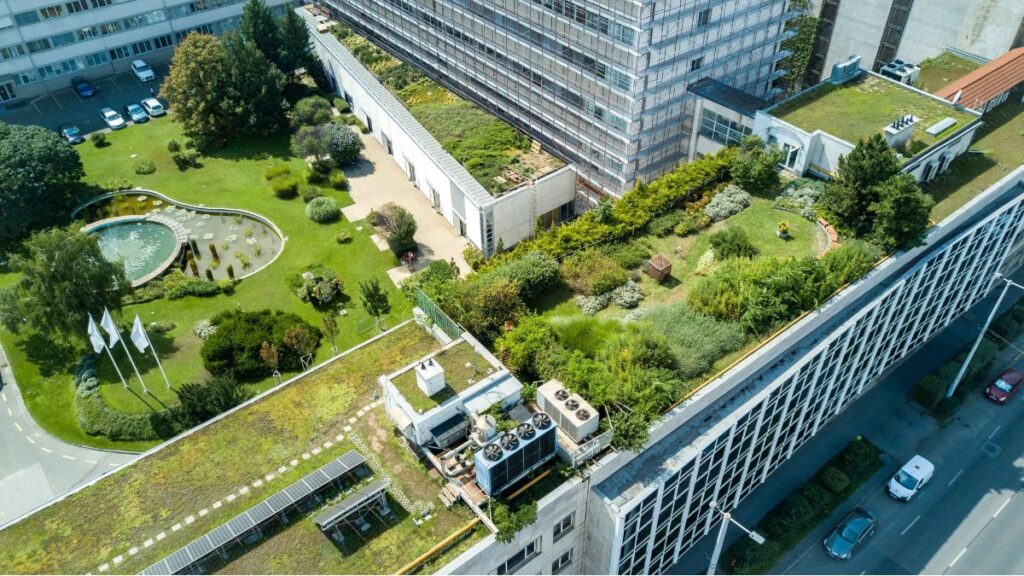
[142, 71]
[112, 119]
[909, 480]
[153, 107]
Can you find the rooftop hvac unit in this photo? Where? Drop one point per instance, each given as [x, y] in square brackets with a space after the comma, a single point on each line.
[901, 71]
[843, 72]
[574, 415]
[430, 377]
[514, 454]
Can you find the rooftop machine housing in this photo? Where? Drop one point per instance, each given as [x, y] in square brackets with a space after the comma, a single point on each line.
[573, 415]
[515, 454]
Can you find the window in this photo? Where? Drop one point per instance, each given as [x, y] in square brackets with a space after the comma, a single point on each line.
[162, 41]
[40, 45]
[720, 129]
[26, 18]
[63, 39]
[86, 33]
[562, 527]
[51, 12]
[519, 558]
[97, 59]
[696, 63]
[561, 562]
[120, 53]
[142, 47]
[77, 6]
[8, 52]
[703, 18]
[101, 3]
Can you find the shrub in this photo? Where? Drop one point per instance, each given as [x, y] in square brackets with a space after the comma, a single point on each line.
[285, 187]
[819, 498]
[398, 227]
[308, 192]
[322, 288]
[162, 326]
[732, 242]
[310, 111]
[98, 139]
[533, 274]
[800, 196]
[323, 210]
[277, 170]
[338, 180]
[316, 177]
[859, 459]
[235, 346]
[706, 263]
[203, 329]
[227, 286]
[756, 166]
[98, 419]
[628, 295]
[1007, 328]
[336, 142]
[186, 159]
[144, 167]
[487, 304]
[178, 285]
[630, 255]
[590, 305]
[116, 184]
[692, 222]
[342, 106]
[591, 273]
[732, 200]
[520, 348]
[473, 256]
[834, 479]
[696, 340]
[173, 146]
[343, 237]
[200, 401]
[663, 225]
[929, 391]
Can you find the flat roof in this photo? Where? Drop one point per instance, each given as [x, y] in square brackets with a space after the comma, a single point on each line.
[732, 98]
[985, 83]
[942, 69]
[463, 366]
[857, 109]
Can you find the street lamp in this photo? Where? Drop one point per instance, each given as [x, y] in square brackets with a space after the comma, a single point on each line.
[970, 355]
[720, 541]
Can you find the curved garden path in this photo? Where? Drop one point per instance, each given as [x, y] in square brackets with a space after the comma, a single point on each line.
[35, 466]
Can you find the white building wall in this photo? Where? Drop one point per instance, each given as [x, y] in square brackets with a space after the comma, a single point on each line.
[515, 213]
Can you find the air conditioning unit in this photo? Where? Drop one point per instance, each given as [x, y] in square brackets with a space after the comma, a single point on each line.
[514, 454]
[901, 71]
[430, 377]
[574, 415]
[843, 72]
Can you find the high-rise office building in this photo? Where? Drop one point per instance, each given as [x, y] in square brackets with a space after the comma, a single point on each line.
[601, 83]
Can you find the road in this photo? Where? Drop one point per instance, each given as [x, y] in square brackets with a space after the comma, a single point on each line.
[951, 516]
[35, 466]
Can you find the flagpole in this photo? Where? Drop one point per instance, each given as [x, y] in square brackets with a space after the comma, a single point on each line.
[114, 362]
[139, 333]
[136, 368]
[158, 364]
[93, 334]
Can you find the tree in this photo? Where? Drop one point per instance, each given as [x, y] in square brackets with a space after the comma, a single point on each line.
[375, 299]
[269, 354]
[310, 111]
[509, 521]
[196, 86]
[336, 142]
[255, 103]
[488, 303]
[399, 228]
[198, 402]
[630, 431]
[259, 27]
[330, 329]
[237, 343]
[63, 277]
[38, 174]
[756, 167]
[295, 51]
[520, 348]
[900, 213]
[849, 197]
[303, 342]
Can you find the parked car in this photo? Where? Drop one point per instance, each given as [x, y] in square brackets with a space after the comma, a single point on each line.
[1005, 386]
[112, 119]
[909, 480]
[83, 87]
[136, 113]
[153, 107]
[850, 533]
[142, 71]
[70, 133]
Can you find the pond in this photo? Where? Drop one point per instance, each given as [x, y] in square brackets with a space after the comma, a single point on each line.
[144, 247]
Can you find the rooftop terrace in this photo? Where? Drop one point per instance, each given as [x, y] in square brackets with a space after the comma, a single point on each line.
[943, 69]
[859, 108]
[463, 367]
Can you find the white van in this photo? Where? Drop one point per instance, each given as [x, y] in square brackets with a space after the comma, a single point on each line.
[911, 478]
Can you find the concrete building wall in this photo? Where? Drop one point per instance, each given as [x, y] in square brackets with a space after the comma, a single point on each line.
[516, 213]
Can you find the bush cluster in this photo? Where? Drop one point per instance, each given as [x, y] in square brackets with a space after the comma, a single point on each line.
[285, 187]
[697, 341]
[144, 167]
[337, 180]
[398, 227]
[691, 223]
[323, 210]
[629, 295]
[732, 200]
[310, 111]
[235, 345]
[800, 196]
[96, 418]
[322, 288]
[343, 237]
[308, 192]
[473, 256]
[98, 139]
[186, 159]
[592, 273]
[732, 242]
[177, 285]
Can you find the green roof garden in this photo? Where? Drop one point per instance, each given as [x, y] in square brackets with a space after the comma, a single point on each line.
[942, 70]
[859, 108]
[463, 367]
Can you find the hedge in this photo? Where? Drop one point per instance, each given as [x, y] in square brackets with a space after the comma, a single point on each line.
[97, 419]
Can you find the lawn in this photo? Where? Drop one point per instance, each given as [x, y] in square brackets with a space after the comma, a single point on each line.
[463, 367]
[942, 70]
[860, 108]
[142, 500]
[997, 149]
[232, 177]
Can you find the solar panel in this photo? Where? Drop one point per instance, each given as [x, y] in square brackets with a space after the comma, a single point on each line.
[200, 547]
[157, 569]
[179, 560]
[332, 514]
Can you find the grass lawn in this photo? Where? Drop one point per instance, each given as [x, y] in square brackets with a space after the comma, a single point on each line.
[146, 498]
[232, 178]
[997, 150]
[457, 375]
[942, 70]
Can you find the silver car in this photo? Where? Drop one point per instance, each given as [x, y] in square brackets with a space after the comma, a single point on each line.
[112, 119]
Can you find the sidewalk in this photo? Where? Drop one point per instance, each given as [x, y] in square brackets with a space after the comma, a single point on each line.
[884, 414]
[377, 180]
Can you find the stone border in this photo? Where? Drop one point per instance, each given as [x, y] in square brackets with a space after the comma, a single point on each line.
[196, 208]
[175, 227]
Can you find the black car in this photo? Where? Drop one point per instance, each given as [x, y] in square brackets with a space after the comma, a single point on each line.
[850, 533]
[83, 87]
[71, 133]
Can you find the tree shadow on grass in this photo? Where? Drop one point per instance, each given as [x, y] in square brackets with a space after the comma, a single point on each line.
[964, 170]
[269, 148]
[51, 356]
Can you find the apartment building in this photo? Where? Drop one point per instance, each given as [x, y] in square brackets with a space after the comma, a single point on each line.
[602, 84]
[43, 43]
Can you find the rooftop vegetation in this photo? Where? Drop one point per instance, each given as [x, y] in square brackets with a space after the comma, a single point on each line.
[146, 498]
[463, 367]
[943, 70]
[496, 154]
[865, 106]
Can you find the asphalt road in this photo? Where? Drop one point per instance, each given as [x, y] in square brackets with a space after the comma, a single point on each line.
[34, 466]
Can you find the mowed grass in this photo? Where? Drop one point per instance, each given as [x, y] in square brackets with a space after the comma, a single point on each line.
[233, 178]
[138, 502]
[998, 149]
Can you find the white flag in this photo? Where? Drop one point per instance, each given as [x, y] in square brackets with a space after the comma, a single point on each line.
[139, 336]
[95, 338]
[108, 324]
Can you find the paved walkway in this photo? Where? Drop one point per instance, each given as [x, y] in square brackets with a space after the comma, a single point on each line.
[34, 466]
[377, 180]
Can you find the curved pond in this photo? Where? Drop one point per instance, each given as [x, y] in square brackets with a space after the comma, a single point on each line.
[144, 247]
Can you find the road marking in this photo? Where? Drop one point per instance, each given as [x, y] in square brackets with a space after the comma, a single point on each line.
[955, 477]
[45, 449]
[1003, 506]
[911, 525]
[66, 457]
[92, 461]
[18, 426]
[4, 395]
[9, 413]
[957, 557]
[114, 464]
[29, 438]
[994, 432]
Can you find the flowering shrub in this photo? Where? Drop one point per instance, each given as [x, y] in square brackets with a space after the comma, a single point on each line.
[730, 201]
[628, 295]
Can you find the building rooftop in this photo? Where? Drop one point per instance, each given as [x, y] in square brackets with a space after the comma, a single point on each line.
[463, 366]
[855, 110]
[976, 88]
[732, 98]
[941, 70]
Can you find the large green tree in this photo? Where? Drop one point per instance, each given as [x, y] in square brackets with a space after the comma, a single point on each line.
[197, 86]
[756, 167]
[849, 196]
[255, 102]
[259, 27]
[295, 49]
[900, 213]
[63, 278]
[38, 174]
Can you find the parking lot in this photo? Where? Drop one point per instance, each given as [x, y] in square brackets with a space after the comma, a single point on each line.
[66, 107]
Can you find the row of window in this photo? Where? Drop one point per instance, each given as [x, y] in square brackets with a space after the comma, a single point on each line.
[77, 6]
[592, 20]
[532, 549]
[720, 129]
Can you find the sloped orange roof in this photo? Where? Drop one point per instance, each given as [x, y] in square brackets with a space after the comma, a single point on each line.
[987, 82]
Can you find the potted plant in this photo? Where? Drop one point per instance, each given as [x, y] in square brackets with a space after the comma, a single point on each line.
[783, 231]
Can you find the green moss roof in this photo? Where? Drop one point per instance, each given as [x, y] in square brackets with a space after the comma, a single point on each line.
[943, 70]
[463, 367]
